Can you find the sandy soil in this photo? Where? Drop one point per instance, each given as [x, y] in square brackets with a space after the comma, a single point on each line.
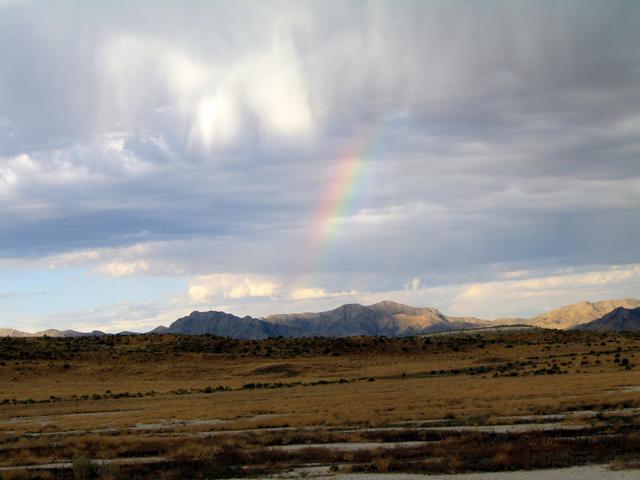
[592, 472]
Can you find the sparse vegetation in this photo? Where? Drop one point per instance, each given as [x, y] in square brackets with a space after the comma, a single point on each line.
[207, 407]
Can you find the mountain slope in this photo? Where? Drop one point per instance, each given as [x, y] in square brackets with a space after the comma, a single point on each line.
[383, 318]
[571, 316]
[10, 332]
[620, 319]
[346, 320]
[224, 324]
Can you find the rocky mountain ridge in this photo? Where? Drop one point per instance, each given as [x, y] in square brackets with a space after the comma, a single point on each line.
[383, 318]
[12, 332]
[620, 319]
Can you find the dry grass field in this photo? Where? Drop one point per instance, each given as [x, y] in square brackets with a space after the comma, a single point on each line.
[209, 407]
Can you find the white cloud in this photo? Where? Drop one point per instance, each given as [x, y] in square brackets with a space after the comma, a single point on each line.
[233, 286]
[8, 178]
[117, 262]
[278, 290]
[534, 295]
[216, 120]
[543, 169]
[13, 169]
[80, 258]
[543, 286]
[306, 293]
[309, 293]
[122, 269]
[215, 100]
[414, 284]
[142, 258]
[125, 315]
[515, 274]
[277, 92]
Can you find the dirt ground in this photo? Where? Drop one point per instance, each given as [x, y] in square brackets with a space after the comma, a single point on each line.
[369, 404]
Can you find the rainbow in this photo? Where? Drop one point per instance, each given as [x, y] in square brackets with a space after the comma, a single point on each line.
[340, 195]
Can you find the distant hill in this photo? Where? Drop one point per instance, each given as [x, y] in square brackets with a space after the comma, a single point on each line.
[10, 332]
[384, 318]
[571, 316]
[226, 325]
[621, 319]
[487, 330]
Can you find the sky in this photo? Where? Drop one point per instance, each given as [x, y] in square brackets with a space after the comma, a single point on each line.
[482, 158]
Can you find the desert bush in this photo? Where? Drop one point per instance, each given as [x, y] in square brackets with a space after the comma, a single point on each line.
[109, 471]
[85, 469]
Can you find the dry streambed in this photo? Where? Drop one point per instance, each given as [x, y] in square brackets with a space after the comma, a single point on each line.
[590, 472]
[372, 441]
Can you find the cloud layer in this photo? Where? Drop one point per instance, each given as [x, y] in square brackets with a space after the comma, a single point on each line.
[200, 141]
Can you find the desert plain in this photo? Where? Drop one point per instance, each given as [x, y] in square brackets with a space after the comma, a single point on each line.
[172, 406]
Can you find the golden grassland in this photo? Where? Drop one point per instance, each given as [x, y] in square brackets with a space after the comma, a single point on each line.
[189, 400]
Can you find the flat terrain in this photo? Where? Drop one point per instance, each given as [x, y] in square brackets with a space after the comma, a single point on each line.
[162, 406]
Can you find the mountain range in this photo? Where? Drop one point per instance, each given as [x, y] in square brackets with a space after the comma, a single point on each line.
[619, 319]
[384, 318]
[11, 332]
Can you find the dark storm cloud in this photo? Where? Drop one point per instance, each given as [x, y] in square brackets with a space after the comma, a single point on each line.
[507, 131]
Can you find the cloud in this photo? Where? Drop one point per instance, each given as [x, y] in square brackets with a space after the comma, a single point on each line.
[200, 132]
[494, 141]
[256, 295]
[536, 294]
[113, 318]
[308, 293]
[215, 102]
[515, 274]
[541, 286]
[414, 284]
[311, 293]
[278, 289]
[121, 269]
[71, 259]
[231, 286]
